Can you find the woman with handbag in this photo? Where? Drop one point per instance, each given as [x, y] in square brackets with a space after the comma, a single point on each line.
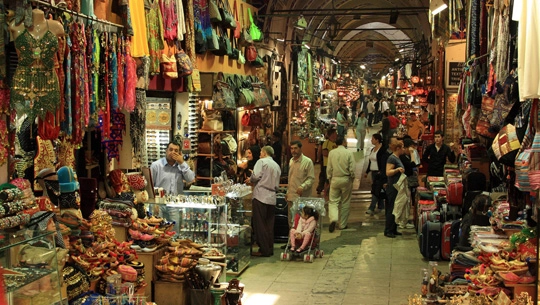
[376, 166]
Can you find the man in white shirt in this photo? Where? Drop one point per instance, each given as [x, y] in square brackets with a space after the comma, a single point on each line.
[371, 112]
[169, 173]
[340, 172]
[385, 106]
[265, 179]
[301, 175]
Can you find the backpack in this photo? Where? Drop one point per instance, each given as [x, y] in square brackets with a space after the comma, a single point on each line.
[394, 122]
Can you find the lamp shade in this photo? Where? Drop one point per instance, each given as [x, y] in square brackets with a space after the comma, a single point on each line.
[301, 23]
[437, 6]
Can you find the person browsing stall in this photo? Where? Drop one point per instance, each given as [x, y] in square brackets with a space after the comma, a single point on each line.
[265, 179]
[415, 128]
[170, 172]
[437, 154]
[301, 175]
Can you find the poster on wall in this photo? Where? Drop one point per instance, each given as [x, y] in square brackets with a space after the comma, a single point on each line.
[454, 71]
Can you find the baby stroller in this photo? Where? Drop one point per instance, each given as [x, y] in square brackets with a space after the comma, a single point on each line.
[313, 249]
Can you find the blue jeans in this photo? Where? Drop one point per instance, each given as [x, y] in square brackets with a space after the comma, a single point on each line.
[171, 214]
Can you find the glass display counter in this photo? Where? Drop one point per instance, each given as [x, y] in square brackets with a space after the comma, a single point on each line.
[239, 233]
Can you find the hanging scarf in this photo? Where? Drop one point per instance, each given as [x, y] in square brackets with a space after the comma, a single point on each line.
[120, 71]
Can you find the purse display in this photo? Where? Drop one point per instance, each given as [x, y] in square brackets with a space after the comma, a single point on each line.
[238, 28]
[227, 19]
[223, 95]
[213, 8]
[169, 67]
[224, 44]
[251, 53]
[254, 31]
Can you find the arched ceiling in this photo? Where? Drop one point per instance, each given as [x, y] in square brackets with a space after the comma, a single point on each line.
[367, 34]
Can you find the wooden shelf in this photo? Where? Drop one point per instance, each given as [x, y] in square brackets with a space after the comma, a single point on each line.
[203, 178]
[215, 131]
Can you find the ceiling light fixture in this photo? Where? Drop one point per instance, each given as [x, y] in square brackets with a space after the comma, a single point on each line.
[301, 23]
[363, 67]
[333, 24]
[437, 6]
[393, 17]
[280, 40]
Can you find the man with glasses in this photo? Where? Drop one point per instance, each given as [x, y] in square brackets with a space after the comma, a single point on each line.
[169, 173]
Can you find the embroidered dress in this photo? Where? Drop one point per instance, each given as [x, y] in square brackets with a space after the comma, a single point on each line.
[154, 25]
[67, 125]
[35, 88]
[94, 69]
[170, 19]
[139, 41]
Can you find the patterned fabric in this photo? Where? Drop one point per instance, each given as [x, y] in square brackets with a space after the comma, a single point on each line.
[23, 12]
[94, 70]
[474, 29]
[67, 126]
[2, 43]
[154, 25]
[170, 19]
[113, 71]
[80, 109]
[121, 68]
[35, 82]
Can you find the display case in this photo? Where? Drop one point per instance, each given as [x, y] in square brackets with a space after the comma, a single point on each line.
[239, 234]
[203, 219]
[29, 268]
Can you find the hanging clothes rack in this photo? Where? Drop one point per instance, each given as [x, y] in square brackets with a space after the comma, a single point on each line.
[78, 14]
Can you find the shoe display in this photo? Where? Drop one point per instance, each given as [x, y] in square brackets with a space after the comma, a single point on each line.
[332, 227]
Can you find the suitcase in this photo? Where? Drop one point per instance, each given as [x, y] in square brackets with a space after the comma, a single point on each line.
[454, 193]
[281, 221]
[446, 247]
[434, 216]
[430, 240]
[453, 212]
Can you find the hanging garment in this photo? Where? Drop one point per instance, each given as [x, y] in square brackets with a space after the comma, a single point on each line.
[181, 24]
[94, 71]
[139, 41]
[154, 25]
[35, 89]
[190, 30]
[120, 58]
[170, 20]
[67, 126]
[80, 107]
[529, 50]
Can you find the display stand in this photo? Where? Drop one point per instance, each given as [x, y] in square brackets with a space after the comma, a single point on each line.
[170, 293]
[239, 234]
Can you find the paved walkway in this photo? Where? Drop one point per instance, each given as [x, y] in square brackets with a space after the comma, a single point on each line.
[360, 265]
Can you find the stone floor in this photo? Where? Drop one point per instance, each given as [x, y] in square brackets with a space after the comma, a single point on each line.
[360, 265]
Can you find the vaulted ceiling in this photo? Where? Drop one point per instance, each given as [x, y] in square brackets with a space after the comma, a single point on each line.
[371, 32]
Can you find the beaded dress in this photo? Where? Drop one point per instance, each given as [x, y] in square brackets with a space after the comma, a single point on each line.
[35, 89]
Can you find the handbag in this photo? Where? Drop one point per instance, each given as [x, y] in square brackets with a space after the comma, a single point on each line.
[241, 58]
[212, 120]
[522, 163]
[227, 19]
[213, 41]
[251, 53]
[185, 66]
[200, 39]
[506, 141]
[534, 163]
[213, 9]
[254, 30]
[235, 53]
[262, 97]
[223, 95]
[258, 62]
[169, 67]
[255, 119]
[238, 28]
[246, 119]
[224, 44]
[413, 180]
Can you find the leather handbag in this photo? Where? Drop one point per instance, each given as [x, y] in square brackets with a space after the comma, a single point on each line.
[213, 41]
[238, 28]
[254, 30]
[241, 58]
[169, 67]
[258, 62]
[251, 53]
[255, 119]
[212, 121]
[522, 163]
[223, 95]
[224, 44]
[227, 19]
[246, 119]
[215, 15]
[185, 66]
[200, 39]
[262, 97]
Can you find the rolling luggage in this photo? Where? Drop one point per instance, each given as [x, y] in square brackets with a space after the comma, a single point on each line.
[430, 240]
[450, 238]
[454, 193]
[434, 216]
[281, 221]
[450, 212]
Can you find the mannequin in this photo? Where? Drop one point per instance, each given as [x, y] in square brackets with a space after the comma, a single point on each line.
[36, 90]
[39, 28]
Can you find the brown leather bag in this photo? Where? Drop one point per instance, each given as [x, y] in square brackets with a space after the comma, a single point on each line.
[251, 53]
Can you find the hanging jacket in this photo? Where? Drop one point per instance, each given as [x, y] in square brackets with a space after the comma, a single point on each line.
[400, 204]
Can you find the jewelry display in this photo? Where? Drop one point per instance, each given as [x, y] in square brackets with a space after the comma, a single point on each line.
[29, 275]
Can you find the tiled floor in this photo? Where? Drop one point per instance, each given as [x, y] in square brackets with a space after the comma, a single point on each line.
[360, 265]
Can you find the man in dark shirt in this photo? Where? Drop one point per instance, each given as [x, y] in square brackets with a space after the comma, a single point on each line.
[277, 146]
[436, 155]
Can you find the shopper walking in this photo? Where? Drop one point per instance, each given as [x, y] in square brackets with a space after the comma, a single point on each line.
[341, 120]
[265, 179]
[371, 112]
[377, 112]
[409, 165]
[301, 175]
[327, 146]
[169, 173]
[340, 172]
[415, 128]
[377, 167]
[361, 127]
[394, 169]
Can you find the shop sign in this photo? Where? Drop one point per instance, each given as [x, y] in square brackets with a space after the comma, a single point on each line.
[454, 70]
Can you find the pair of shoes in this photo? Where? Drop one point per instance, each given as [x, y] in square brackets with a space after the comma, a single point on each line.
[391, 235]
[409, 226]
[369, 212]
[293, 249]
[401, 226]
[398, 233]
[260, 254]
[361, 149]
[332, 227]
[379, 211]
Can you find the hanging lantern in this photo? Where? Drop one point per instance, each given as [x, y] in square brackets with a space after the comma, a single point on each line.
[415, 79]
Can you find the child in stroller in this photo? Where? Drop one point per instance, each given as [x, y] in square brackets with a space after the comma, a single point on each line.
[305, 228]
